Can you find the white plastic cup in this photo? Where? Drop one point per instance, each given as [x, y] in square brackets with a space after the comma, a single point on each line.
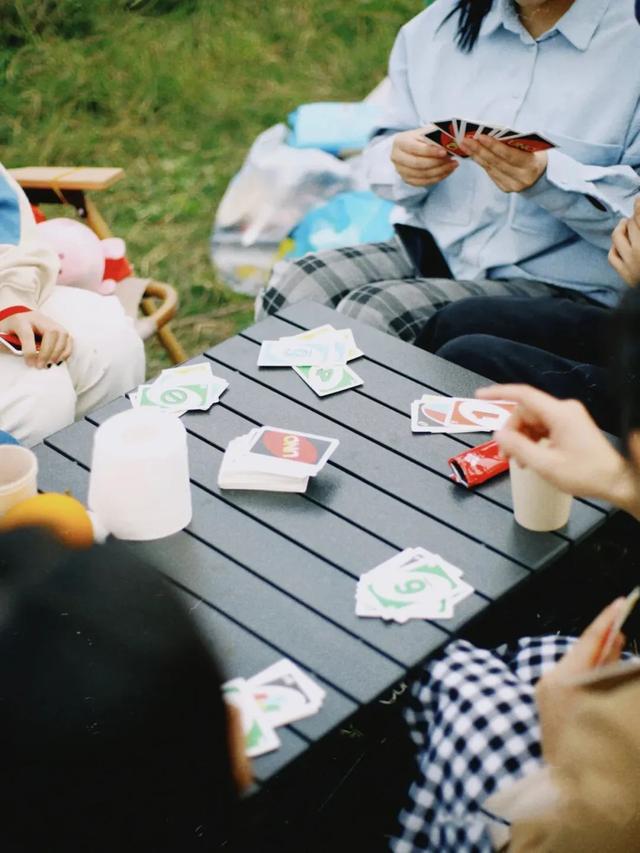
[139, 485]
[537, 505]
[18, 475]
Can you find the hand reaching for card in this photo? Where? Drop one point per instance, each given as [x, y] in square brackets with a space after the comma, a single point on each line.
[555, 692]
[624, 255]
[419, 162]
[511, 169]
[578, 459]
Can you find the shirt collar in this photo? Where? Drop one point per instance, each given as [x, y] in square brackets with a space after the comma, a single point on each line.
[578, 25]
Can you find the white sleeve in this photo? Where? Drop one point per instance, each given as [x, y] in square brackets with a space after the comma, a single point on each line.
[28, 267]
[400, 115]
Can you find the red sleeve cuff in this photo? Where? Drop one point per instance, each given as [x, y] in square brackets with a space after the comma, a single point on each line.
[13, 309]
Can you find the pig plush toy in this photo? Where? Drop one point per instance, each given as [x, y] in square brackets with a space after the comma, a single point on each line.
[85, 260]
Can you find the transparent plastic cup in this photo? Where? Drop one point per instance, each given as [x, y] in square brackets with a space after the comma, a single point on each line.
[18, 475]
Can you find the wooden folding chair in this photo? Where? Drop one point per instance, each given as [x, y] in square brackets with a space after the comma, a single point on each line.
[70, 185]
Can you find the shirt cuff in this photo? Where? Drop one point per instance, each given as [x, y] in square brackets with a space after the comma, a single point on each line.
[609, 188]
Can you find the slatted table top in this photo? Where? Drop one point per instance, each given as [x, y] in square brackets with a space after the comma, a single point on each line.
[268, 575]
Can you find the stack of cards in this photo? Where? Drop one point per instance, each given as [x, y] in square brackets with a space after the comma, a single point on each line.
[318, 356]
[415, 584]
[274, 460]
[278, 695]
[449, 133]
[181, 389]
[434, 413]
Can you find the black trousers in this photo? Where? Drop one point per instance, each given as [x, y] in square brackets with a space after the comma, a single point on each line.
[557, 344]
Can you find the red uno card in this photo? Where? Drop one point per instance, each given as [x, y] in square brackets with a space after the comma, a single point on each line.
[530, 142]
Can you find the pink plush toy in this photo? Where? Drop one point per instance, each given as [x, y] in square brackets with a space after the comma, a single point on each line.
[85, 260]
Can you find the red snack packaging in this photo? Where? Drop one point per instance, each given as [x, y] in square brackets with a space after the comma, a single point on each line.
[478, 464]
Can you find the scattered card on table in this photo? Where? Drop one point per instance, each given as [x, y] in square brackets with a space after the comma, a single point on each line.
[259, 735]
[414, 584]
[285, 693]
[436, 413]
[329, 380]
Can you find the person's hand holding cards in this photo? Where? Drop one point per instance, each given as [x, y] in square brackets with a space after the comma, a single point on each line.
[624, 255]
[511, 168]
[39, 339]
[418, 161]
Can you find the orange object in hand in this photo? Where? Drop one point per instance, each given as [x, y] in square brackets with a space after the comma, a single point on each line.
[64, 516]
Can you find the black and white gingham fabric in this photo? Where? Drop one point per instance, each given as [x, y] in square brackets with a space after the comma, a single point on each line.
[473, 717]
[376, 283]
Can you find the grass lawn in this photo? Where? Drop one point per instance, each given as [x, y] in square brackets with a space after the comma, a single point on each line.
[175, 91]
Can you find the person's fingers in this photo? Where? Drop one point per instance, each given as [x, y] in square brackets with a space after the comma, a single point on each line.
[620, 241]
[61, 344]
[633, 231]
[411, 161]
[28, 341]
[588, 648]
[616, 262]
[535, 407]
[429, 172]
[418, 146]
[47, 347]
[636, 209]
[427, 178]
[68, 350]
[527, 451]
[613, 655]
[516, 157]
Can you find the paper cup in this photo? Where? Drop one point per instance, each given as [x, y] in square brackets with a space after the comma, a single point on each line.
[537, 505]
[139, 485]
[18, 475]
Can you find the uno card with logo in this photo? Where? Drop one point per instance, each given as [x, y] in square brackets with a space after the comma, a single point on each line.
[281, 451]
[285, 693]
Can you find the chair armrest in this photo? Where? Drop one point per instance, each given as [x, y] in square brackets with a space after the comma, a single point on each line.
[67, 177]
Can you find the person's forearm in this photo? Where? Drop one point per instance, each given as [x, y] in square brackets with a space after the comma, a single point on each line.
[589, 199]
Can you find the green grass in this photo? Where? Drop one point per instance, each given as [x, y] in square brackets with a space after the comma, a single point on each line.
[176, 96]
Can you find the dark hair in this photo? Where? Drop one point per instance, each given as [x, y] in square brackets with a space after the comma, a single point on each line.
[471, 14]
[625, 361]
[112, 725]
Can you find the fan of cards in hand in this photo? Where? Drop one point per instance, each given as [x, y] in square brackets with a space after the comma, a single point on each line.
[181, 389]
[435, 413]
[415, 584]
[278, 695]
[450, 132]
[273, 459]
[319, 357]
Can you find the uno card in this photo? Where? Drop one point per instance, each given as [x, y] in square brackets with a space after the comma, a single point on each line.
[440, 138]
[13, 343]
[422, 588]
[344, 335]
[530, 142]
[281, 451]
[480, 414]
[435, 413]
[284, 693]
[259, 736]
[173, 397]
[329, 380]
[326, 350]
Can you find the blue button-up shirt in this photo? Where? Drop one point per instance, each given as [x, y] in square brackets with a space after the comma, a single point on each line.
[578, 84]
